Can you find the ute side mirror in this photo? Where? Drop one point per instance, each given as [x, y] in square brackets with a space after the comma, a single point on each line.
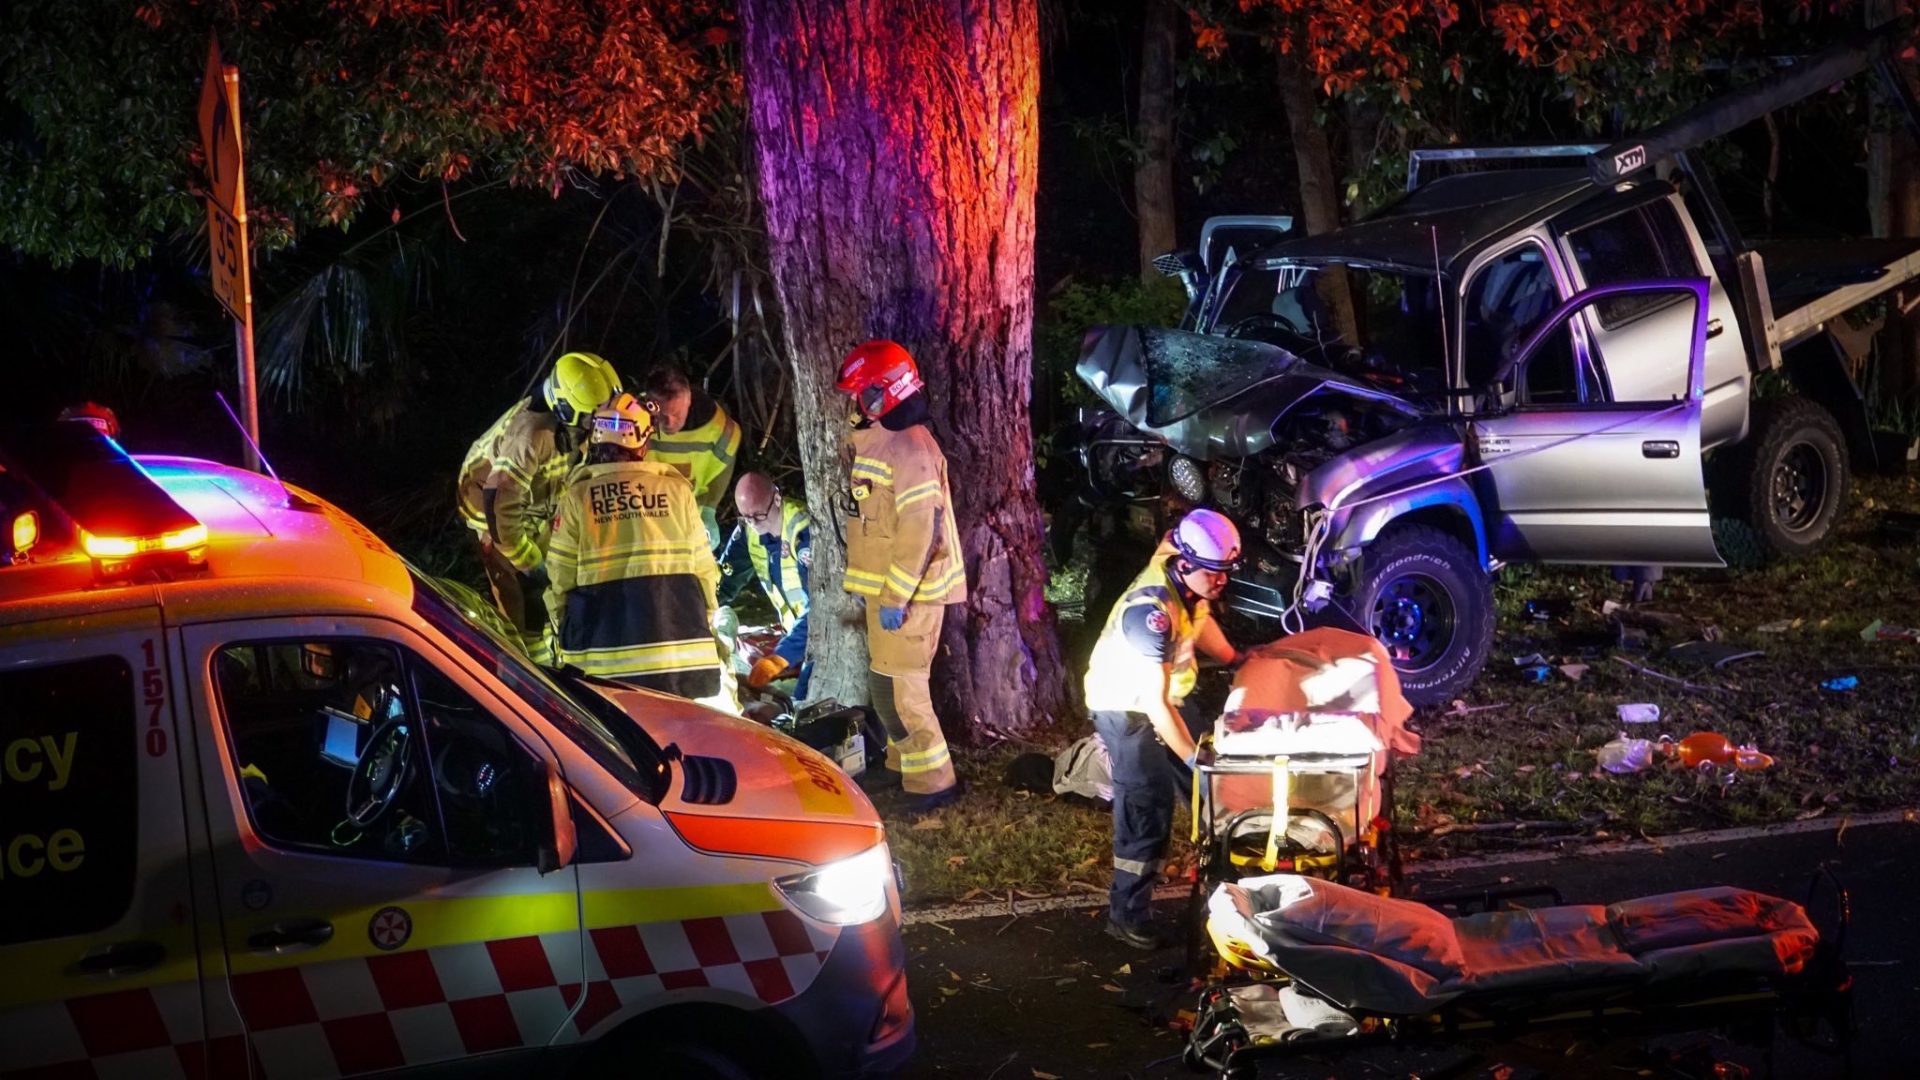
[1185, 265]
[558, 852]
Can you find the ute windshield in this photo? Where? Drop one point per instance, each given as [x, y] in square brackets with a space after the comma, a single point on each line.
[1397, 343]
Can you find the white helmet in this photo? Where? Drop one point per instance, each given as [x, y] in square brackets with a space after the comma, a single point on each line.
[1207, 539]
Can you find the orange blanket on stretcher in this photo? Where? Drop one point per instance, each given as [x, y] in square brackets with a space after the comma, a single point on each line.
[1329, 669]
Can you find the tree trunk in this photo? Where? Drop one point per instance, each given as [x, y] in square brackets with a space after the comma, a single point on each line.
[897, 147]
[1319, 186]
[1153, 169]
[1893, 193]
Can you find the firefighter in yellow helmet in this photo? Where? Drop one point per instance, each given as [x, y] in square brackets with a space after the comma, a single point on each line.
[695, 435]
[903, 559]
[512, 476]
[632, 577]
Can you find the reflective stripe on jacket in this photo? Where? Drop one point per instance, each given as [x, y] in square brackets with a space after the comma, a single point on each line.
[704, 455]
[903, 545]
[789, 594]
[1119, 677]
[631, 577]
[523, 459]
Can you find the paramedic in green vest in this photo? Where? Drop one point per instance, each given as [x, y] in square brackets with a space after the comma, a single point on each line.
[694, 434]
[778, 553]
[1142, 669]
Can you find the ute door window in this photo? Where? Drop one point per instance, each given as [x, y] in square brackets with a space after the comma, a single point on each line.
[1508, 300]
[1645, 242]
[329, 748]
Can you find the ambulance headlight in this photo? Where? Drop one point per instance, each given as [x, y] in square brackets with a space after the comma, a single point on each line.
[849, 891]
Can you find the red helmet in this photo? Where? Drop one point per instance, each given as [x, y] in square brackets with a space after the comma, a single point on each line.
[879, 374]
[92, 412]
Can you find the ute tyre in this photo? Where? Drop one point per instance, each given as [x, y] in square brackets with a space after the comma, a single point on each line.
[1423, 594]
[1787, 483]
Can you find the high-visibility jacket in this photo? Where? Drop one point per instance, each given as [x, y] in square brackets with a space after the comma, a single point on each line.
[784, 578]
[1151, 625]
[520, 465]
[903, 546]
[631, 578]
[704, 455]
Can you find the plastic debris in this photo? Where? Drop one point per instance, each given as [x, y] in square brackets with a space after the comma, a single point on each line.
[1625, 755]
[1779, 626]
[1842, 684]
[1573, 672]
[1641, 712]
[1713, 748]
[1529, 660]
[1541, 608]
[1878, 630]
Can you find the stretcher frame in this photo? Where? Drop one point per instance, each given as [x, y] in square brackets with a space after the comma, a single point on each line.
[1371, 860]
[1748, 1008]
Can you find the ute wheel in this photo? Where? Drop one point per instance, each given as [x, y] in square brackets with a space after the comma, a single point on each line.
[1787, 483]
[1423, 594]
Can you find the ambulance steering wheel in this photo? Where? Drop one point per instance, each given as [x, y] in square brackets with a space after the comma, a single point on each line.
[382, 771]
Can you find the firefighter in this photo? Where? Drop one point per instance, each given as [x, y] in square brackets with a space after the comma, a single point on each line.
[778, 547]
[903, 559]
[1142, 669]
[696, 436]
[512, 477]
[632, 578]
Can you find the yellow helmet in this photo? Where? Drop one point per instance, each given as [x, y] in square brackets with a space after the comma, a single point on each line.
[622, 422]
[579, 383]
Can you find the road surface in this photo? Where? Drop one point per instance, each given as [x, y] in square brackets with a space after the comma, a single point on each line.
[1049, 995]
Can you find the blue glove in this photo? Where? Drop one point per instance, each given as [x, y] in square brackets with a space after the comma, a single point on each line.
[893, 618]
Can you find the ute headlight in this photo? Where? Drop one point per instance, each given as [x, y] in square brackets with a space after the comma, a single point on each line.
[1189, 478]
[851, 890]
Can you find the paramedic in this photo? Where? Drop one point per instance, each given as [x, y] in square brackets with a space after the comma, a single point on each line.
[1142, 669]
[778, 549]
[695, 436]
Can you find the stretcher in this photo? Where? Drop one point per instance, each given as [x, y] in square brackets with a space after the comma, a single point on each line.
[1317, 968]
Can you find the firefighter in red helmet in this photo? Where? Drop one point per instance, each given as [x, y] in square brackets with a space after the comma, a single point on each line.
[903, 559]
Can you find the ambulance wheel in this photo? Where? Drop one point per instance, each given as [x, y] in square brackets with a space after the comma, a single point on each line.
[698, 1061]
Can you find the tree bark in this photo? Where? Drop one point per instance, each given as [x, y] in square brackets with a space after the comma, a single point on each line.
[897, 148]
[1153, 168]
[1319, 186]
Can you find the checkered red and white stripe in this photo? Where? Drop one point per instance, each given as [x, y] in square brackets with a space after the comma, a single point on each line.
[342, 1017]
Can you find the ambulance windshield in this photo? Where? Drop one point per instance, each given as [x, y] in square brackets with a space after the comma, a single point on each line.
[623, 749]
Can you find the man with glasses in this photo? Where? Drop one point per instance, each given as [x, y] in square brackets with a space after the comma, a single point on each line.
[776, 533]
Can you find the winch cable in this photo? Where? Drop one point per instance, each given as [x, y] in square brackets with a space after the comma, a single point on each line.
[1322, 524]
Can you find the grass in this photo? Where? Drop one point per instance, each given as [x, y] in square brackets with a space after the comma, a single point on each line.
[1531, 758]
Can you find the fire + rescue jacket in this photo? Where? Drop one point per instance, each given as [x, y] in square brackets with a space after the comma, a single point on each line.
[1151, 625]
[631, 578]
[902, 545]
[704, 454]
[511, 479]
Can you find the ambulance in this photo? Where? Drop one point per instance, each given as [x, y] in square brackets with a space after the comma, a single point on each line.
[275, 804]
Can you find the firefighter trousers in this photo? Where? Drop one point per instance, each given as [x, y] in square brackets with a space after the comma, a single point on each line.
[521, 598]
[900, 661]
[1146, 780]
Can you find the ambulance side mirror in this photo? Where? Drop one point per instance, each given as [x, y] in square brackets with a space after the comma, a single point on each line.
[559, 852]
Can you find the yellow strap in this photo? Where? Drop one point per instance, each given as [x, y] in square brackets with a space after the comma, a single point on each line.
[1282, 802]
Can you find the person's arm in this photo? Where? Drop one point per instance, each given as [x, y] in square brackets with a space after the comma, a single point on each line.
[514, 530]
[918, 504]
[793, 647]
[704, 566]
[1213, 642]
[1166, 720]
[736, 565]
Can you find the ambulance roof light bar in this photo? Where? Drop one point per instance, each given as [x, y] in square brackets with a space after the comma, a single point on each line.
[122, 519]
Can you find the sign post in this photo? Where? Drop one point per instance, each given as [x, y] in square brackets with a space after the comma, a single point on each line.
[227, 224]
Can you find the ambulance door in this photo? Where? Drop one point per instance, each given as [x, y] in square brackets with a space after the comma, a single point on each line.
[99, 970]
[377, 822]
